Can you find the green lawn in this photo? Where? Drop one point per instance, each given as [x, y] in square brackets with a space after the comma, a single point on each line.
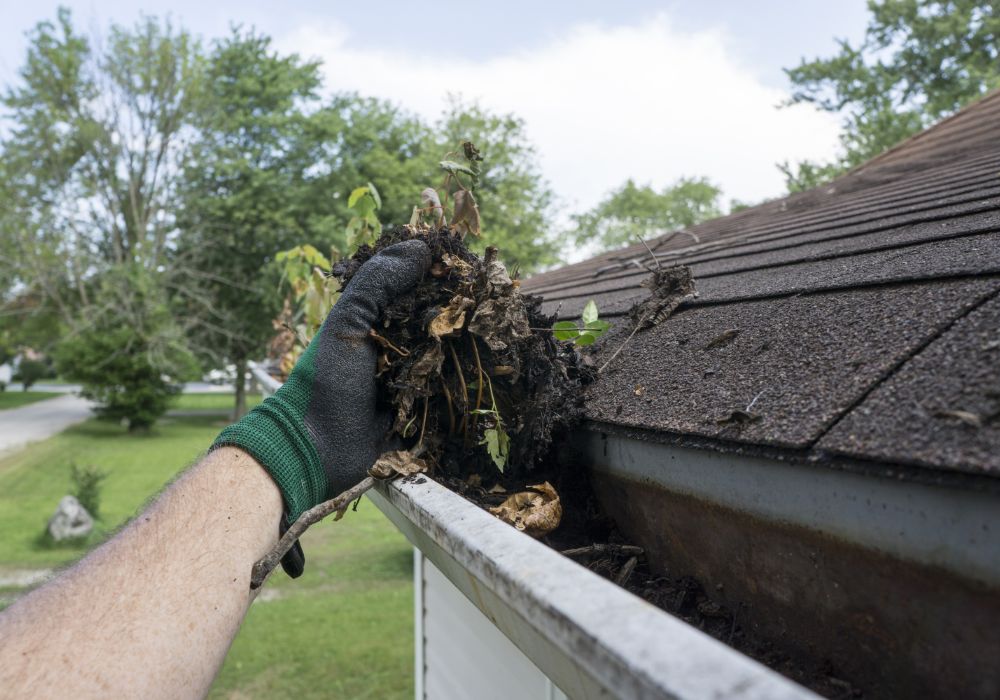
[205, 402]
[345, 629]
[13, 399]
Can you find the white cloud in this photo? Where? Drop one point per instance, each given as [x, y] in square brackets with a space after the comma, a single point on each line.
[602, 104]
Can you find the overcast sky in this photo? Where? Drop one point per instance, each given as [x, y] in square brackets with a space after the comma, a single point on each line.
[609, 90]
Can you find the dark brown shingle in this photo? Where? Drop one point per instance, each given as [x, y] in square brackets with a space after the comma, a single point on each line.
[837, 297]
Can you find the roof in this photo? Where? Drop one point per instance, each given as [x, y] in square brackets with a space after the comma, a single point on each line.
[860, 319]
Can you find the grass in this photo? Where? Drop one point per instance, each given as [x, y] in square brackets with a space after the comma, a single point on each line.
[13, 399]
[208, 401]
[344, 629]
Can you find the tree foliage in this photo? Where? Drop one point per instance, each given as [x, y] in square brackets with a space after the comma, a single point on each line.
[920, 60]
[129, 355]
[632, 212]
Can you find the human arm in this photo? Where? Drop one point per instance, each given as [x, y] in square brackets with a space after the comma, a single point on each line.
[152, 612]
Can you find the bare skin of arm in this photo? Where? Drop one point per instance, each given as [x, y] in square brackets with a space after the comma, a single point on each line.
[152, 612]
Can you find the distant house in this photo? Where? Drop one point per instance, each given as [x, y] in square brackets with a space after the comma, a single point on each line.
[814, 439]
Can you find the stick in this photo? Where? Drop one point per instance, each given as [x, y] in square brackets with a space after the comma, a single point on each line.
[626, 572]
[263, 568]
[465, 390]
[622, 549]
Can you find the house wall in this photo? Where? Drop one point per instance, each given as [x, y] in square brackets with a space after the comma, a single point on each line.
[460, 654]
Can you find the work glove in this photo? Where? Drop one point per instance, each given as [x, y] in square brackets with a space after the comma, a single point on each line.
[321, 432]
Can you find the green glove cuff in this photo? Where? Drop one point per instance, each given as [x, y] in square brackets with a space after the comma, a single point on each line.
[274, 433]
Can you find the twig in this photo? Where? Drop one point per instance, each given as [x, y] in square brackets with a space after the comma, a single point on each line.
[624, 549]
[626, 572]
[650, 250]
[750, 405]
[479, 384]
[451, 411]
[621, 347]
[423, 423]
[465, 390]
[263, 568]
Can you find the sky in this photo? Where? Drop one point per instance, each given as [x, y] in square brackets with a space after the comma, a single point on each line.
[652, 91]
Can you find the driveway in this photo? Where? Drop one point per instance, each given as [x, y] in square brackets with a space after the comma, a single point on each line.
[40, 420]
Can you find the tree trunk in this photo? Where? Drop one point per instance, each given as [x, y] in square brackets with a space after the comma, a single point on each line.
[241, 389]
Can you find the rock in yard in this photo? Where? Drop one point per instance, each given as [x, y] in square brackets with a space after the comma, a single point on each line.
[70, 521]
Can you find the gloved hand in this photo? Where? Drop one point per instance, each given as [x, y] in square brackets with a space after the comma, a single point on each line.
[320, 432]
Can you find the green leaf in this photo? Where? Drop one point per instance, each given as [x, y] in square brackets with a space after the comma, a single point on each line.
[357, 194]
[565, 330]
[586, 339]
[375, 195]
[452, 167]
[497, 445]
[589, 312]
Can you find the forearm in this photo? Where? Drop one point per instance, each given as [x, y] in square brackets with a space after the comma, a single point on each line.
[153, 611]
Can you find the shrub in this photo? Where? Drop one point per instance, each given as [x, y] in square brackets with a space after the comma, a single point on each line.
[128, 354]
[30, 371]
[87, 487]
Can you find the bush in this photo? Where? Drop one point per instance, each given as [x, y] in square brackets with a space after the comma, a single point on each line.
[87, 487]
[30, 371]
[129, 354]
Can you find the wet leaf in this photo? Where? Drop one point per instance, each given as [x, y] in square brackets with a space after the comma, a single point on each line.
[451, 319]
[536, 512]
[397, 463]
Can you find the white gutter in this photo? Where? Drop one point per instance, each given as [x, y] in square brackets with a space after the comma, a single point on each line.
[591, 637]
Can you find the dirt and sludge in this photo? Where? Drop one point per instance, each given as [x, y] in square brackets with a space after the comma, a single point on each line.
[486, 398]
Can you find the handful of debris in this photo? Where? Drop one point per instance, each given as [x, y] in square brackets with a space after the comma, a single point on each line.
[476, 381]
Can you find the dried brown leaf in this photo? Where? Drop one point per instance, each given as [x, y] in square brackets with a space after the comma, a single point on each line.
[536, 512]
[397, 463]
[429, 198]
[451, 319]
[466, 216]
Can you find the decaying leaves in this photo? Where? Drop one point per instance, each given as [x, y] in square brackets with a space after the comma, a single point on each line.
[536, 512]
[432, 203]
[668, 287]
[451, 319]
[397, 463]
[465, 219]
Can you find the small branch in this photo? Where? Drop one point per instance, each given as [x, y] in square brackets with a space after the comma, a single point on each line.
[263, 568]
[479, 384]
[626, 572]
[614, 549]
[465, 389]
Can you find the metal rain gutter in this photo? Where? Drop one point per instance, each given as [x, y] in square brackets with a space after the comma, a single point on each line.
[591, 637]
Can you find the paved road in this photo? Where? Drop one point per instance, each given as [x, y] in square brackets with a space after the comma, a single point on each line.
[39, 420]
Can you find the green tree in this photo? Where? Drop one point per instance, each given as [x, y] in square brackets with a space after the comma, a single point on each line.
[632, 212]
[920, 60]
[250, 189]
[129, 354]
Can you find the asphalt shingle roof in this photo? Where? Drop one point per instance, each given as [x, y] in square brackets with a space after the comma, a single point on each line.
[862, 314]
